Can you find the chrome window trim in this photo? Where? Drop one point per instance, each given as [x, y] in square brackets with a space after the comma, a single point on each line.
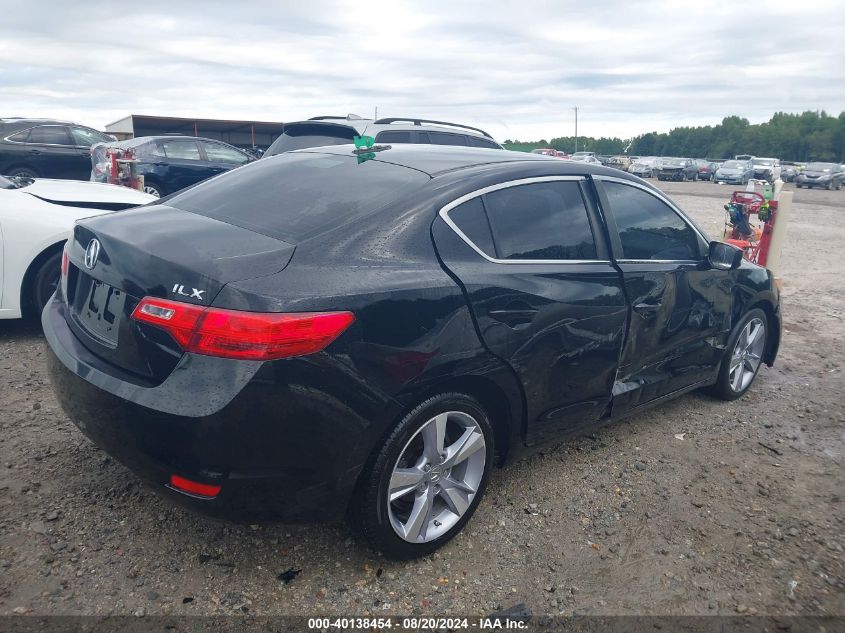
[660, 196]
[64, 125]
[444, 213]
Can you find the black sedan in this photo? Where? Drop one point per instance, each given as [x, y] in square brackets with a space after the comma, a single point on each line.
[677, 169]
[365, 333]
[173, 162]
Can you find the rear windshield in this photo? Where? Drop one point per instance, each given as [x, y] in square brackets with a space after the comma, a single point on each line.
[307, 135]
[293, 197]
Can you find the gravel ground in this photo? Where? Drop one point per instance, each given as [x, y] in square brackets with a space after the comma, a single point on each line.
[696, 507]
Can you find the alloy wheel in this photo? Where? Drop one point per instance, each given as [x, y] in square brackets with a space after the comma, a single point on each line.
[152, 191]
[436, 477]
[747, 355]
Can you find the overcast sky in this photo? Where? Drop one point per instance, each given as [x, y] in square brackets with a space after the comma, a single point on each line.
[516, 68]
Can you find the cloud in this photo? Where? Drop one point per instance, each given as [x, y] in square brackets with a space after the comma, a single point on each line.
[516, 69]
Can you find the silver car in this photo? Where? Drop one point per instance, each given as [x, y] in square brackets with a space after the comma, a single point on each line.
[337, 130]
[734, 172]
[645, 167]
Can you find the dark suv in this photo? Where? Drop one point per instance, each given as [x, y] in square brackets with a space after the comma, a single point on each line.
[171, 163]
[334, 130]
[41, 148]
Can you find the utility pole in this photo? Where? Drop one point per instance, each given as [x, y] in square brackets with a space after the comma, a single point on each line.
[375, 118]
[576, 128]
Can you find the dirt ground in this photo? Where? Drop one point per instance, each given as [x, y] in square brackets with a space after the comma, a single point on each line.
[696, 507]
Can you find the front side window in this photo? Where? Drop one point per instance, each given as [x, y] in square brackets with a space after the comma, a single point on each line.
[49, 135]
[648, 228]
[444, 138]
[83, 137]
[186, 150]
[544, 220]
[477, 141]
[218, 153]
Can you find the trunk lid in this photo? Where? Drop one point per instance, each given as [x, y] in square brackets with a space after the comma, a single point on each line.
[154, 251]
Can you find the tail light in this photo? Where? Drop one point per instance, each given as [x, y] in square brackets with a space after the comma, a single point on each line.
[244, 335]
[65, 263]
[194, 488]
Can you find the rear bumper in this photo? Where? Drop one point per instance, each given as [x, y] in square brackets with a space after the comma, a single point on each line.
[287, 445]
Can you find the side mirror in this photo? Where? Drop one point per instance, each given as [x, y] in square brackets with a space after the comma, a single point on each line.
[724, 256]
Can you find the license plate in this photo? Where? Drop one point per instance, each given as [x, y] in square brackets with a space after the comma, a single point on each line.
[102, 311]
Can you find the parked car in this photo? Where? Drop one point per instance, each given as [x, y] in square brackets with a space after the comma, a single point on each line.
[619, 162]
[370, 342]
[36, 217]
[789, 173]
[336, 130]
[589, 159]
[43, 148]
[825, 175]
[645, 167]
[579, 155]
[735, 172]
[171, 163]
[677, 169]
[706, 169]
[766, 168]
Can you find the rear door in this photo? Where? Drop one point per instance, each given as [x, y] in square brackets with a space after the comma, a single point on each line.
[546, 298]
[680, 307]
[51, 151]
[184, 165]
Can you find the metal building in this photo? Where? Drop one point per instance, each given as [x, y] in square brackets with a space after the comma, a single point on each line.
[245, 134]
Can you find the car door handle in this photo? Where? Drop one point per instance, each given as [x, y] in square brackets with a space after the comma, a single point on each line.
[35, 151]
[514, 316]
[647, 309]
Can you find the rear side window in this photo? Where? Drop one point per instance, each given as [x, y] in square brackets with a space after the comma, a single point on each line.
[307, 135]
[394, 136]
[295, 196]
[470, 218]
[648, 227]
[545, 220]
[50, 134]
[20, 137]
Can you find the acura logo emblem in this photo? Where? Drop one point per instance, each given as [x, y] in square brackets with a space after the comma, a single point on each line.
[92, 253]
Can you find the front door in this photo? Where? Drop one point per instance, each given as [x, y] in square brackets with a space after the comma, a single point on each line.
[680, 307]
[545, 296]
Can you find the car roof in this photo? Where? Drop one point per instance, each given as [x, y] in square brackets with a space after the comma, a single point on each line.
[373, 126]
[437, 160]
[140, 140]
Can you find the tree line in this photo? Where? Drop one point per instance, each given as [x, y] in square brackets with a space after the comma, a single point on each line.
[809, 136]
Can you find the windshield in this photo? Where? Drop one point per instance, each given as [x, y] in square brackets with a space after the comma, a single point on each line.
[819, 167]
[14, 183]
[765, 162]
[298, 195]
[308, 135]
[734, 164]
[673, 162]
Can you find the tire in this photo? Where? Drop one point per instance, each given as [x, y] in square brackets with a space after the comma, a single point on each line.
[799, 185]
[25, 172]
[154, 189]
[44, 283]
[384, 515]
[729, 384]
[830, 186]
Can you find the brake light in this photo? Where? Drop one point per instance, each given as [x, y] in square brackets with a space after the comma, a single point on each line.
[194, 487]
[65, 263]
[244, 335]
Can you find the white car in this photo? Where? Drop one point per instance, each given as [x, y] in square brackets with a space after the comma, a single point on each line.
[36, 217]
